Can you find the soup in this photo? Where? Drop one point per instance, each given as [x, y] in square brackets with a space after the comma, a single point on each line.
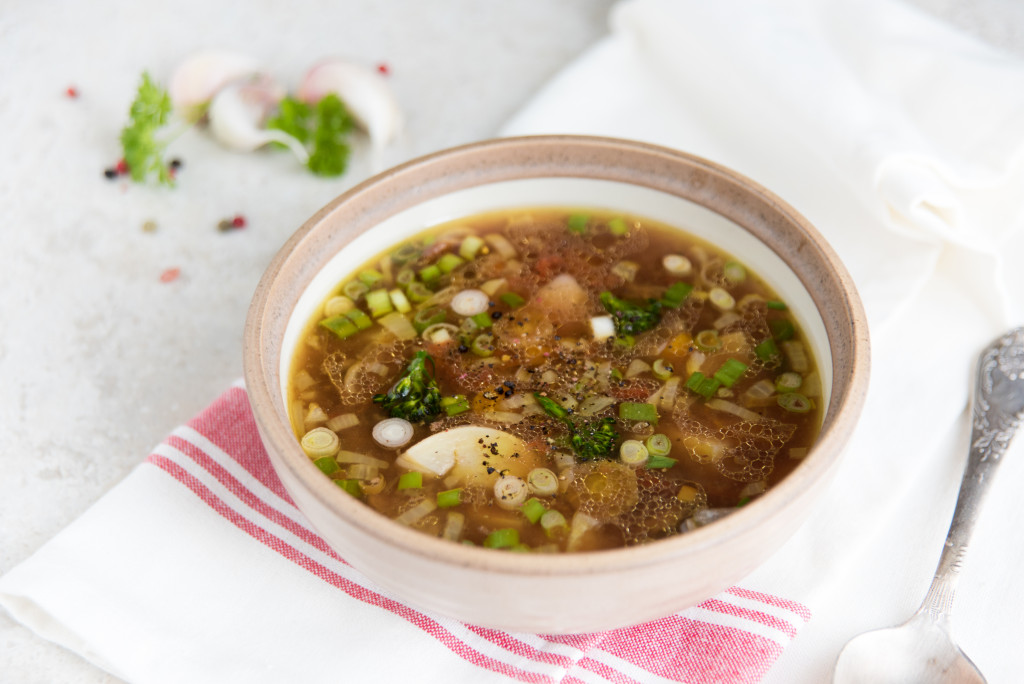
[554, 380]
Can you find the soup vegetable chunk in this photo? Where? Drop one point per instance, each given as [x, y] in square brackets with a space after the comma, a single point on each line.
[554, 380]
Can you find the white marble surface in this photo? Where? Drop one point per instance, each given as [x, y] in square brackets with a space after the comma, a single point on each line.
[98, 358]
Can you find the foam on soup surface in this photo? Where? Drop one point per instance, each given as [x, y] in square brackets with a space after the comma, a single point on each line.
[554, 380]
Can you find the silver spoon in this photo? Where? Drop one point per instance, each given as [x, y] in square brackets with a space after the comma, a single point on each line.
[921, 649]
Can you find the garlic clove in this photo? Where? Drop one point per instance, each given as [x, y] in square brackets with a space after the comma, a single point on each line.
[365, 93]
[237, 114]
[196, 80]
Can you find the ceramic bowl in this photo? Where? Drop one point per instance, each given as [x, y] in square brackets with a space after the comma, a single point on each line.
[558, 593]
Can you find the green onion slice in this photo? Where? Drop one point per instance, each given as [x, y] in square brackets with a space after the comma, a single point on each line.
[512, 299]
[647, 413]
[707, 341]
[788, 382]
[658, 444]
[504, 538]
[660, 462]
[533, 509]
[730, 371]
[449, 498]
[794, 402]
[411, 480]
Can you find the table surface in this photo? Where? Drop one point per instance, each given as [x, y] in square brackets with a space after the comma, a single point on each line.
[99, 358]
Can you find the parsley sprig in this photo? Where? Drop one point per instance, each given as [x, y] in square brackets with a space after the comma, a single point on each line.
[143, 149]
[322, 128]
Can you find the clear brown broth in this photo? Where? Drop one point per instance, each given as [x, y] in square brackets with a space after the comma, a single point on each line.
[529, 341]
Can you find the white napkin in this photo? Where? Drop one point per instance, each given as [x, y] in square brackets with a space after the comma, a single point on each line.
[902, 141]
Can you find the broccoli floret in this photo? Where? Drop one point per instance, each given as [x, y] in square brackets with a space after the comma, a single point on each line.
[629, 318]
[416, 396]
[589, 438]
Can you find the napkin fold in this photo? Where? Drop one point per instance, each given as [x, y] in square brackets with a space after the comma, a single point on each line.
[898, 137]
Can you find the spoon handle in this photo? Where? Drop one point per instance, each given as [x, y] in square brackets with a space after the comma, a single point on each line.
[998, 406]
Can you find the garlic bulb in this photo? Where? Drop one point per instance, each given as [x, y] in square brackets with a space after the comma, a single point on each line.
[238, 111]
[365, 93]
[196, 80]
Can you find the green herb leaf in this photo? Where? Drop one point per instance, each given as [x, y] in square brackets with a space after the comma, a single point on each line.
[143, 151]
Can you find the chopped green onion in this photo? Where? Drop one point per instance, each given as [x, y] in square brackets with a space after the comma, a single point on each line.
[703, 385]
[354, 290]
[658, 445]
[707, 341]
[618, 227]
[502, 539]
[632, 452]
[449, 262]
[449, 498]
[788, 382]
[676, 293]
[327, 464]
[340, 326]
[533, 509]
[379, 303]
[405, 253]
[320, 442]
[453, 406]
[551, 407]
[430, 274]
[542, 481]
[730, 372]
[616, 375]
[553, 520]
[782, 329]
[483, 345]
[662, 370]
[424, 318]
[405, 277]
[513, 300]
[767, 350]
[578, 223]
[734, 272]
[411, 480]
[353, 487]
[399, 301]
[776, 305]
[721, 300]
[370, 277]
[335, 306]
[660, 462]
[418, 292]
[482, 319]
[794, 402]
[471, 244]
[629, 410]
[360, 319]
[743, 502]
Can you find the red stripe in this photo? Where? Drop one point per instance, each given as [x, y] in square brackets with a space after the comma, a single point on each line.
[792, 606]
[228, 423]
[726, 608]
[242, 492]
[606, 671]
[357, 591]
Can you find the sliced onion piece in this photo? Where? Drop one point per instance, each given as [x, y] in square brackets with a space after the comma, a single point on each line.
[734, 409]
[603, 327]
[542, 482]
[510, 492]
[393, 432]
[417, 512]
[470, 302]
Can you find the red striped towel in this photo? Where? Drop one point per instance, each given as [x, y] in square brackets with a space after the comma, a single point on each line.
[734, 637]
